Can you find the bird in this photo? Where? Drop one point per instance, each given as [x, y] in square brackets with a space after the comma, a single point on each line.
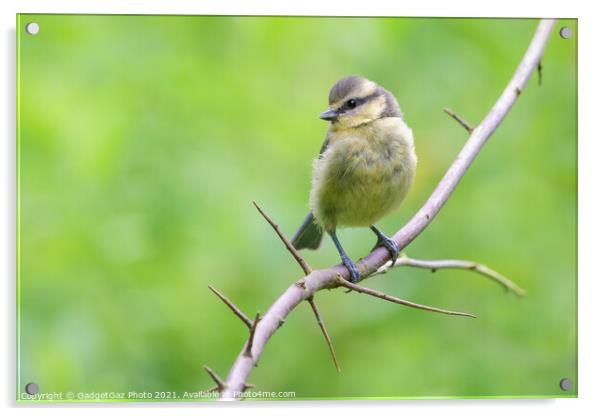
[364, 170]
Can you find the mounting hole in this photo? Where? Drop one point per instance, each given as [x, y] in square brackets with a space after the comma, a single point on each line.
[32, 388]
[566, 384]
[565, 32]
[32, 28]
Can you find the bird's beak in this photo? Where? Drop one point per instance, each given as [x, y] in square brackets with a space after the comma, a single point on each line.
[328, 115]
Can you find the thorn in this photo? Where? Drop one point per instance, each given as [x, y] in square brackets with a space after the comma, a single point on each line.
[252, 336]
[384, 296]
[460, 120]
[232, 307]
[220, 385]
[287, 243]
[322, 326]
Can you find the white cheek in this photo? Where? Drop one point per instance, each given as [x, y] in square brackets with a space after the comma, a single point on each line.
[373, 108]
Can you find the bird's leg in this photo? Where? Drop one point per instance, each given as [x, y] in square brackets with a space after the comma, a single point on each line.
[387, 243]
[353, 270]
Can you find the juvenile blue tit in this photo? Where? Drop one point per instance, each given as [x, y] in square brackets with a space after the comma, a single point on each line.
[365, 167]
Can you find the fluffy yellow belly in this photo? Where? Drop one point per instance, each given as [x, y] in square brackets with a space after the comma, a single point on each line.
[356, 182]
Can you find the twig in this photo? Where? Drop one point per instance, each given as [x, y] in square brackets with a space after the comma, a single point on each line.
[314, 307]
[232, 307]
[459, 119]
[252, 336]
[434, 265]
[287, 243]
[327, 278]
[384, 296]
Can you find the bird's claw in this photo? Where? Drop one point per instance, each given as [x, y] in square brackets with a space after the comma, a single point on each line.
[354, 272]
[391, 247]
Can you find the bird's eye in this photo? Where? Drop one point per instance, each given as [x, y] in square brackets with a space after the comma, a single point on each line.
[351, 103]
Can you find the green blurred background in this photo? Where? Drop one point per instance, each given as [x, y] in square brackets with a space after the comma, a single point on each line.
[143, 141]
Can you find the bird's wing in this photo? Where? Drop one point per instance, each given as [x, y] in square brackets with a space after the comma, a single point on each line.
[309, 234]
[325, 144]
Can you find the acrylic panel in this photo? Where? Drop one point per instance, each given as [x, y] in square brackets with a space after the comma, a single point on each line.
[144, 140]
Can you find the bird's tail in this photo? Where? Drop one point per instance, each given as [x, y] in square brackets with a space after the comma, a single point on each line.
[309, 235]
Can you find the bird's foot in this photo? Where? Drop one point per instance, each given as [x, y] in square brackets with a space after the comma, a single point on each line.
[354, 272]
[391, 247]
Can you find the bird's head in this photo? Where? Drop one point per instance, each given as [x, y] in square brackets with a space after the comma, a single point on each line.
[354, 101]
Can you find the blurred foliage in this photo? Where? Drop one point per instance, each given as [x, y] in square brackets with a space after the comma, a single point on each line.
[144, 139]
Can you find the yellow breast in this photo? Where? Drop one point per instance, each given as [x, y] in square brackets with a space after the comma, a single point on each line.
[364, 174]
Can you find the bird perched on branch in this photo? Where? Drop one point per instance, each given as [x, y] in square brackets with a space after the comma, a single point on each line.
[365, 168]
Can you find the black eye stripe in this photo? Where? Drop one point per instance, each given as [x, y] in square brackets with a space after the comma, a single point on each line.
[358, 102]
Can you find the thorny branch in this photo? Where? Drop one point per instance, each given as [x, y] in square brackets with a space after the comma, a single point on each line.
[435, 265]
[373, 264]
[307, 270]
